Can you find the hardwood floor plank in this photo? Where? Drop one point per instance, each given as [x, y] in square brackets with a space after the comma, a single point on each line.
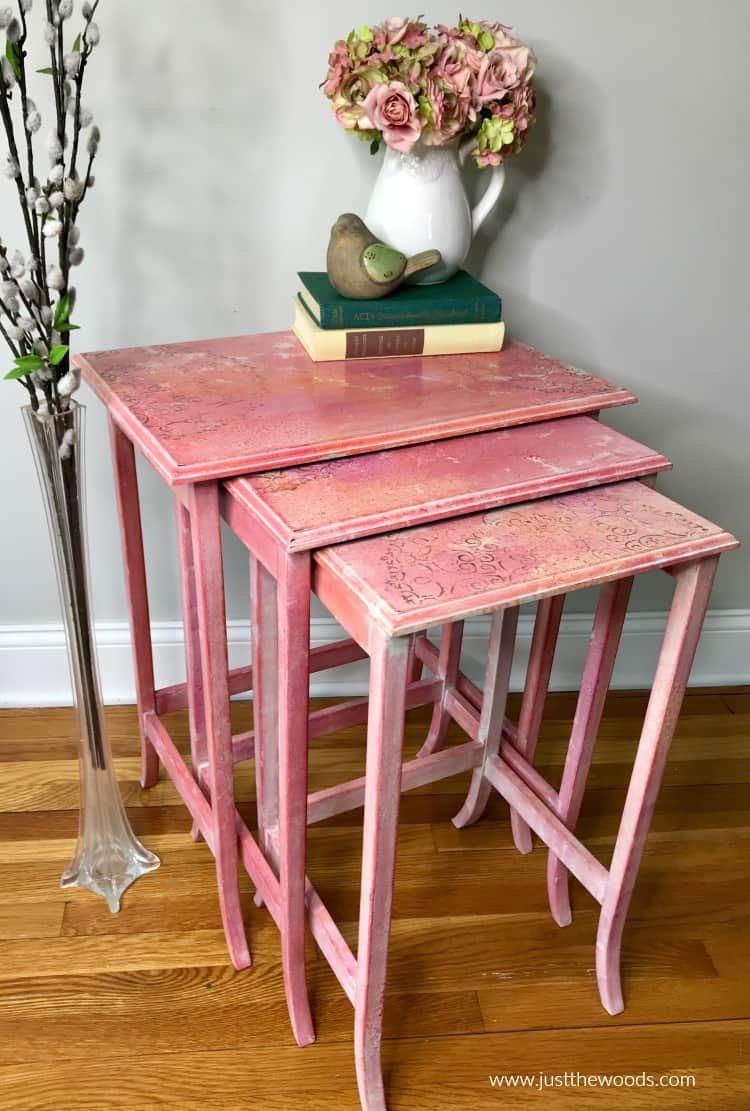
[421, 1074]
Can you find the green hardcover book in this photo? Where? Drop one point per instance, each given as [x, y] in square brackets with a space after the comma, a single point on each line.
[460, 300]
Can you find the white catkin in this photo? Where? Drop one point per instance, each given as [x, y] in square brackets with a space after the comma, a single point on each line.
[54, 147]
[46, 314]
[65, 9]
[76, 256]
[73, 189]
[55, 279]
[41, 348]
[57, 199]
[7, 73]
[26, 322]
[72, 62]
[92, 34]
[56, 174]
[85, 117]
[8, 291]
[52, 228]
[4, 265]
[17, 265]
[42, 206]
[26, 5]
[92, 181]
[33, 122]
[10, 167]
[14, 31]
[95, 136]
[14, 331]
[50, 35]
[29, 290]
[68, 441]
[69, 383]
[87, 10]
[6, 14]
[32, 195]
[74, 235]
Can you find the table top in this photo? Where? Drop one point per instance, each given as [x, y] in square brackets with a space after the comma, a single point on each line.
[221, 408]
[343, 499]
[442, 572]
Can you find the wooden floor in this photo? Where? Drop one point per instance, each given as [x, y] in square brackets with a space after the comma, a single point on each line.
[141, 1010]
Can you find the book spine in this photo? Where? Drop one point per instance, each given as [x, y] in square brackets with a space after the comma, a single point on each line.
[417, 314]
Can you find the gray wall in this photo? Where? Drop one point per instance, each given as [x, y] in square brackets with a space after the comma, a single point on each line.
[621, 244]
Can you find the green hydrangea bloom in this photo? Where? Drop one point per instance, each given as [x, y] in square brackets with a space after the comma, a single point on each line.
[495, 133]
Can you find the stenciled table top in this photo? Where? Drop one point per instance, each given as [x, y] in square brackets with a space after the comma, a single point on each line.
[464, 567]
[221, 408]
[343, 499]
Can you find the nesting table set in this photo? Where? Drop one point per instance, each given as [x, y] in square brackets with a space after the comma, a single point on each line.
[406, 494]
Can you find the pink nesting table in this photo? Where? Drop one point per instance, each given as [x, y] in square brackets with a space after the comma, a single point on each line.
[203, 413]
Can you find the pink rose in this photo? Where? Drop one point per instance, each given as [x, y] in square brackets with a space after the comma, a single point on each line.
[392, 109]
[408, 32]
[504, 68]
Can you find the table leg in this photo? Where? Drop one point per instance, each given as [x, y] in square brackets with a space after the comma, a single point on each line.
[203, 503]
[597, 676]
[692, 592]
[265, 702]
[293, 602]
[492, 716]
[385, 735]
[196, 709]
[451, 641]
[541, 657]
[131, 536]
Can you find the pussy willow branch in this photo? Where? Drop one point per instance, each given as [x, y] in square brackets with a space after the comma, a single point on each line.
[72, 210]
[24, 117]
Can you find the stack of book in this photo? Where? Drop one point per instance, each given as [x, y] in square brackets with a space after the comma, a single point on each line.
[455, 317]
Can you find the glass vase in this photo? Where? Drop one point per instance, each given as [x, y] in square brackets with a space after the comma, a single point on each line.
[108, 857]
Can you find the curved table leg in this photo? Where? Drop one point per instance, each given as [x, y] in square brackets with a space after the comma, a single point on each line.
[541, 657]
[492, 716]
[131, 536]
[212, 630]
[385, 737]
[684, 625]
[597, 676]
[451, 640]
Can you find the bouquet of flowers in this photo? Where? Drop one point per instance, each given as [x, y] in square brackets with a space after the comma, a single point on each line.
[403, 82]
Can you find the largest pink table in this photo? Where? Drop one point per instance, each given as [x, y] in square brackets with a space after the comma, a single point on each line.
[218, 409]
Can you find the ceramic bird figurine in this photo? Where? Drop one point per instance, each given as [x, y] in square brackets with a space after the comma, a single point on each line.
[363, 268]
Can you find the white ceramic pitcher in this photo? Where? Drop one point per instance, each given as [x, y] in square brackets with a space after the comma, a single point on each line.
[419, 202]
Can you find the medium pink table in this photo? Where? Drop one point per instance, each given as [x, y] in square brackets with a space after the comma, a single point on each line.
[204, 412]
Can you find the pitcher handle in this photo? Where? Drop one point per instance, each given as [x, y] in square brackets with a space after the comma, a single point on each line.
[491, 196]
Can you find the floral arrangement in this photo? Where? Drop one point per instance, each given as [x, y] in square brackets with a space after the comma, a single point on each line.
[403, 82]
[36, 297]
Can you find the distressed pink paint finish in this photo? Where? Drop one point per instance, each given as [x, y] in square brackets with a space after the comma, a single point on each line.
[449, 659]
[492, 715]
[597, 675]
[385, 738]
[293, 602]
[194, 684]
[131, 537]
[221, 408]
[450, 570]
[541, 657]
[344, 499]
[210, 618]
[692, 592]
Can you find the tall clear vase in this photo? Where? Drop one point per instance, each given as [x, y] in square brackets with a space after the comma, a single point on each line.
[108, 857]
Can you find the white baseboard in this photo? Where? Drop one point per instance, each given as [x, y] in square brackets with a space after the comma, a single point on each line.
[34, 672]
